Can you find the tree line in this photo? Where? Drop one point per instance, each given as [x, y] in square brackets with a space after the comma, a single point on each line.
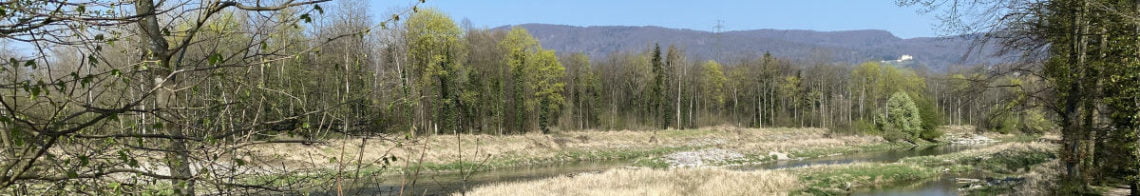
[495, 81]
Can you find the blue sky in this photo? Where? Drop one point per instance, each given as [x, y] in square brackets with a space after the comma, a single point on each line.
[821, 15]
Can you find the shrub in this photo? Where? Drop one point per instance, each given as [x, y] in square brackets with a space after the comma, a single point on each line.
[931, 119]
[1035, 122]
[902, 119]
[930, 134]
[864, 126]
[1001, 120]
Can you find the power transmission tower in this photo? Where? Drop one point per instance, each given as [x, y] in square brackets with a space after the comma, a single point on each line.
[717, 30]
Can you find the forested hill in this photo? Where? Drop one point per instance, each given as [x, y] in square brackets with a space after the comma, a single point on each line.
[840, 46]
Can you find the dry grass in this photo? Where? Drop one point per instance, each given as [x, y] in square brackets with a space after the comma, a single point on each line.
[1041, 180]
[527, 148]
[703, 181]
[838, 179]
[1005, 150]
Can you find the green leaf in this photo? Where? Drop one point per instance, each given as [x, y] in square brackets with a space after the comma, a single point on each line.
[72, 174]
[123, 156]
[84, 160]
[35, 91]
[99, 37]
[215, 58]
[306, 18]
[318, 8]
[85, 81]
[92, 60]
[239, 162]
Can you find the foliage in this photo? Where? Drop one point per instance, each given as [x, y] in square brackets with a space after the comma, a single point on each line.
[902, 119]
[434, 51]
[537, 79]
[932, 118]
[713, 83]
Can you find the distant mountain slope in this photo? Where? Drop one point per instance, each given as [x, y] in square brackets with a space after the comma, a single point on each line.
[841, 46]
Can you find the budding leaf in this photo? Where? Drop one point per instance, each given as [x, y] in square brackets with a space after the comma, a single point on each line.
[215, 58]
[306, 18]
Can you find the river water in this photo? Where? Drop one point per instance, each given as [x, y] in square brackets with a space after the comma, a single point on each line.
[448, 183]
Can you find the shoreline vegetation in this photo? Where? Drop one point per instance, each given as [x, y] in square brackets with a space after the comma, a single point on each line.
[999, 159]
[467, 152]
[644, 150]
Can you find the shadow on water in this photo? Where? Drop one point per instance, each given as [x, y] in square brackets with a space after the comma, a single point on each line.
[448, 183]
[943, 186]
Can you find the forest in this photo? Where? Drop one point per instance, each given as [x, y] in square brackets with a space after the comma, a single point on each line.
[148, 97]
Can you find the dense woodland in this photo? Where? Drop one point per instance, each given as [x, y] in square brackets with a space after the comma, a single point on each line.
[149, 82]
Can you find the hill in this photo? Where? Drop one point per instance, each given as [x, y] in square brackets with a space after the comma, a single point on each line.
[935, 53]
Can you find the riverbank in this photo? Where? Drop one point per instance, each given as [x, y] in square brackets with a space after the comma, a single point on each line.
[484, 152]
[405, 158]
[820, 179]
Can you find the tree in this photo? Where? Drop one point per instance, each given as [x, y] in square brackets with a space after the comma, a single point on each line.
[548, 86]
[712, 85]
[902, 119]
[1085, 50]
[435, 53]
[582, 90]
[658, 95]
[175, 86]
[536, 76]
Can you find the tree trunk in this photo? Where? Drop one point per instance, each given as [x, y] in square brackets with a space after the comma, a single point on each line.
[759, 108]
[678, 114]
[158, 51]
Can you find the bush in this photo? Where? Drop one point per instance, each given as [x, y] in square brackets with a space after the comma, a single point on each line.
[930, 134]
[1002, 120]
[931, 119]
[864, 126]
[1035, 122]
[902, 120]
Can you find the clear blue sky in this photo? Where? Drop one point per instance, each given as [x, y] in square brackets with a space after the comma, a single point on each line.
[821, 15]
